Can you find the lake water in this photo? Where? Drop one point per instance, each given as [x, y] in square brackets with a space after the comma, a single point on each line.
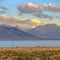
[29, 43]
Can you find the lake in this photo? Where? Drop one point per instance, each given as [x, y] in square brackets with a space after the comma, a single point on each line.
[29, 43]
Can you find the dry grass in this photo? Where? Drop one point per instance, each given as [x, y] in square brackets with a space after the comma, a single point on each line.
[31, 49]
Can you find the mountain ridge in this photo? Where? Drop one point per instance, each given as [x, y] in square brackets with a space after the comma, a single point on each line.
[9, 32]
[48, 31]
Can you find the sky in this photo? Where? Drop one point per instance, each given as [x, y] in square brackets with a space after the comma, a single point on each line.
[30, 13]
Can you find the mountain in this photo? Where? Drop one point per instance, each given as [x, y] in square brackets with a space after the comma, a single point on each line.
[13, 33]
[49, 31]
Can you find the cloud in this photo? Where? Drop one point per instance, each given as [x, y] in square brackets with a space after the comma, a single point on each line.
[51, 7]
[3, 9]
[23, 23]
[58, 17]
[42, 15]
[35, 8]
[35, 21]
[29, 8]
[39, 10]
[9, 18]
[1, 12]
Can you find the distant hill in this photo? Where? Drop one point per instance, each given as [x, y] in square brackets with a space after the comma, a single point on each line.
[49, 31]
[12, 33]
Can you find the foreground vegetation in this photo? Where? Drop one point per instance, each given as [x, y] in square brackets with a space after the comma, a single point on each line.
[30, 53]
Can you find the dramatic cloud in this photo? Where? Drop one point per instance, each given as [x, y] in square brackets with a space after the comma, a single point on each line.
[51, 7]
[23, 23]
[29, 8]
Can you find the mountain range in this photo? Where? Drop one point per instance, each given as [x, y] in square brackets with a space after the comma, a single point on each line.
[48, 31]
[13, 33]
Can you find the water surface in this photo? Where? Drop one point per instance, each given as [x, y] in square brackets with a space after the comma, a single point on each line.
[29, 43]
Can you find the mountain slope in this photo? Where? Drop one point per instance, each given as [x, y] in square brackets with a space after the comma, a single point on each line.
[49, 31]
[8, 32]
